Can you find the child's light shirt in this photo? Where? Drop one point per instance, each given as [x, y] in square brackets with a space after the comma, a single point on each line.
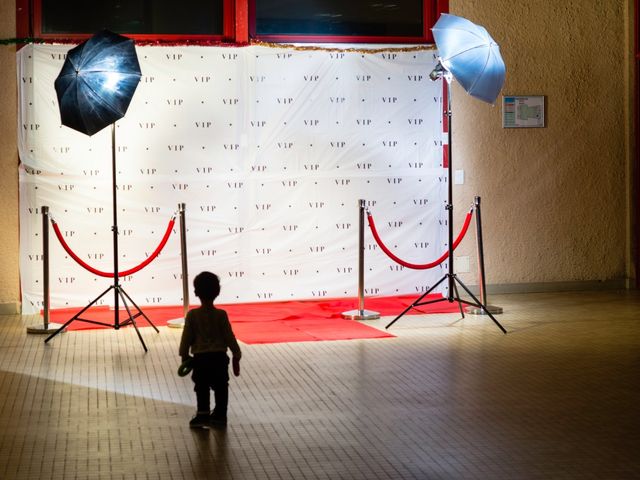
[208, 329]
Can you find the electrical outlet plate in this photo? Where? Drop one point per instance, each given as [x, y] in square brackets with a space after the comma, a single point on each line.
[461, 264]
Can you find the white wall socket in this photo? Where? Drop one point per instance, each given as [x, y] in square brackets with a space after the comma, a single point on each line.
[461, 264]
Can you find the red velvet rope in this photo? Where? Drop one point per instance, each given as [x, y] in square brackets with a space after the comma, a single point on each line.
[417, 266]
[126, 273]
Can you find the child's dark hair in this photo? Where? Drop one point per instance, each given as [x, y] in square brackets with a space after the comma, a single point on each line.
[206, 286]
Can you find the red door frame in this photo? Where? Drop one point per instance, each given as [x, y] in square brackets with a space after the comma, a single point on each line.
[636, 148]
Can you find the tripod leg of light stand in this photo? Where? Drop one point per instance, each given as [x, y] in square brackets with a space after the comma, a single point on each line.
[77, 315]
[479, 304]
[415, 303]
[455, 289]
[132, 319]
[138, 308]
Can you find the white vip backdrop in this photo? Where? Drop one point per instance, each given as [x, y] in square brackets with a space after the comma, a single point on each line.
[270, 149]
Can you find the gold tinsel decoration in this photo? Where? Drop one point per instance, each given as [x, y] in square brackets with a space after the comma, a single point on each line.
[298, 47]
[413, 48]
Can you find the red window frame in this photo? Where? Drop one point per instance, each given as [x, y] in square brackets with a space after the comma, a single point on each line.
[238, 26]
[431, 11]
[29, 24]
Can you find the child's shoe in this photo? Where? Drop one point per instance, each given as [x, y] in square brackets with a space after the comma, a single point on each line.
[199, 421]
[217, 421]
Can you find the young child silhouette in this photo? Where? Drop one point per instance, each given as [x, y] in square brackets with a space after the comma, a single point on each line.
[207, 334]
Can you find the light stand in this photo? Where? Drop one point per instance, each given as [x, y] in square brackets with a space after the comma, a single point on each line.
[452, 295]
[118, 292]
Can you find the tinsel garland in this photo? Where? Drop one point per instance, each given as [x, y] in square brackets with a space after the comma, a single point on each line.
[413, 48]
[217, 43]
[20, 41]
[64, 41]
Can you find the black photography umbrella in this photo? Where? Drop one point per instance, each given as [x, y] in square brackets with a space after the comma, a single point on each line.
[94, 88]
[97, 82]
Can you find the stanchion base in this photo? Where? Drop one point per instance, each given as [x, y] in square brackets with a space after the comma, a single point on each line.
[176, 323]
[492, 309]
[52, 327]
[361, 315]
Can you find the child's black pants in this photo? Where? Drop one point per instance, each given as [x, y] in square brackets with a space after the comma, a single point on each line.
[211, 372]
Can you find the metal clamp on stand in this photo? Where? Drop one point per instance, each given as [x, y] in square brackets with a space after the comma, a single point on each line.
[46, 327]
[361, 313]
[179, 322]
[474, 310]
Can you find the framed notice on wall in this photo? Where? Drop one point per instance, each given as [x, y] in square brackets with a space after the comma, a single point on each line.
[523, 111]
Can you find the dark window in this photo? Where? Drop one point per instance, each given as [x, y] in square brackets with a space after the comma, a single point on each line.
[154, 17]
[355, 21]
[360, 18]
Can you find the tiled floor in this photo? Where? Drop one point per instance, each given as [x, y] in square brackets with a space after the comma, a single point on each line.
[558, 397]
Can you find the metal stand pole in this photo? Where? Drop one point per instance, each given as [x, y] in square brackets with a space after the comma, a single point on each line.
[179, 322]
[114, 230]
[361, 313]
[47, 327]
[118, 291]
[474, 310]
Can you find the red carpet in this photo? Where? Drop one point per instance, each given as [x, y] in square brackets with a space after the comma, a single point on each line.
[276, 322]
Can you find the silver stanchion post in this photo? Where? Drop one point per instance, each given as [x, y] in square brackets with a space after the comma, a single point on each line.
[183, 255]
[361, 313]
[179, 322]
[46, 327]
[481, 274]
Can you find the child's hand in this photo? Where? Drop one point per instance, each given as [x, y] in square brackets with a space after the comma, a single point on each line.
[236, 366]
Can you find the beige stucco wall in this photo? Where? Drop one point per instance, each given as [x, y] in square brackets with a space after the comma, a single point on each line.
[9, 276]
[555, 200]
